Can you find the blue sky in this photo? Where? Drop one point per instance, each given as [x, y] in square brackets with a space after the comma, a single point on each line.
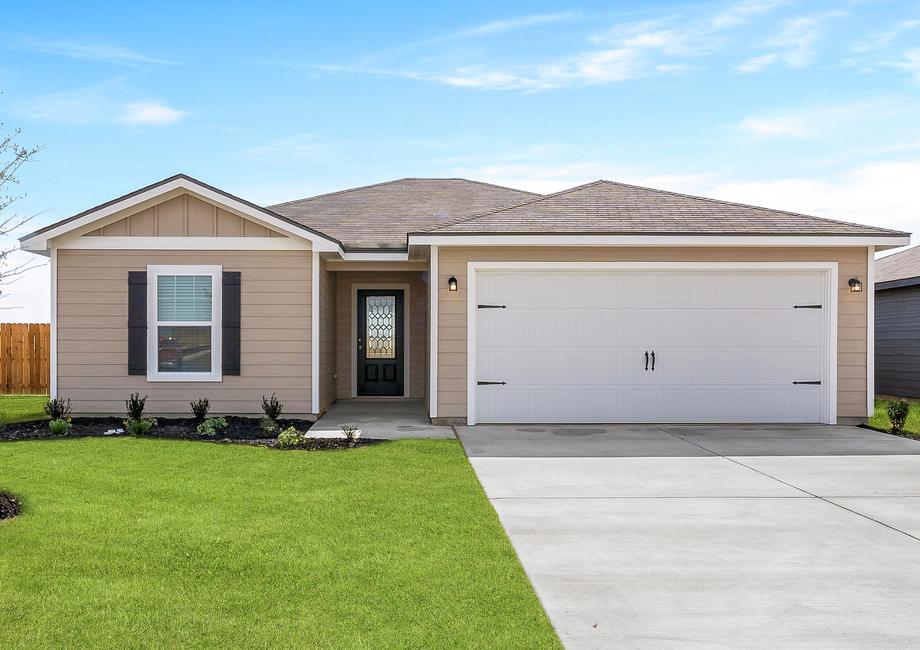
[811, 106]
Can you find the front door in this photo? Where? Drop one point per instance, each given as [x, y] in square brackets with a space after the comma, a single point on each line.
[380, 342]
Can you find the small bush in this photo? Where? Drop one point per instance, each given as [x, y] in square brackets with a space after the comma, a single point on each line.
[58, 409]
[134, 406]
[290, 438]
[272, 407]
[351, 433]
[60, 426]
[139, 426]
[897, 413]
[211, 427]
[269, 427]
[200, 408]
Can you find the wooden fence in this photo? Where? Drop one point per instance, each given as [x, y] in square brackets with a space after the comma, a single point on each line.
[25, 354]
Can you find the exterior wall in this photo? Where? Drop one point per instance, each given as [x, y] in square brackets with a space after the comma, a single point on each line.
[417, 313]
[183, 216]
[92, 318]
[452, 314]
[897, 342]
[328, 336]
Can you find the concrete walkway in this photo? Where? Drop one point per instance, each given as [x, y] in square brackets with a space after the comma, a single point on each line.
[718, 536]
[381, 419]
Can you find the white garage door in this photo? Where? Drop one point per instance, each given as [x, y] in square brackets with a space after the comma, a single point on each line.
[646, 345]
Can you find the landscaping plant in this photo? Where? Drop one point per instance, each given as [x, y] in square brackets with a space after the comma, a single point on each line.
[272, 407]
[290, 438]
[897, 414]
[200, 408]
[60, 426]
[58, 409]
[210, 427]
[351, 433]
[136, 424]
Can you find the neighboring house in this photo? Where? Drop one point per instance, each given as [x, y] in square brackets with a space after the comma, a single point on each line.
[897, 324]
[603, 303]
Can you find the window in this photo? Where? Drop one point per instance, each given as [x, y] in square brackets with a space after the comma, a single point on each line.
[184, 323]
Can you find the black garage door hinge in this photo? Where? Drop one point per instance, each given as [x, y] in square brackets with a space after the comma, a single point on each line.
[492, 306]
[814, 382]
[490, 383]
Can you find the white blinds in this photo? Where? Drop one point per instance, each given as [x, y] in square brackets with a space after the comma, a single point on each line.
[184, 298]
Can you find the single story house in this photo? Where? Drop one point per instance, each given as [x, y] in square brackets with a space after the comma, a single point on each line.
[897, 324]
[606, 302]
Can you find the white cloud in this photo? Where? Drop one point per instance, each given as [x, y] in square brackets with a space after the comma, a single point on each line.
[26, 298]
[520, 22]
[881, 40]
[150, 113]
[757, 63]
[742, 12]
[910, 63]
[794, 45]
[774, 127]
[103, 52]
[833, 120]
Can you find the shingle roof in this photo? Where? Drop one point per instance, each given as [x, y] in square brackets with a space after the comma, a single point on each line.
[899, 266]
[605, 207]
[380, 216]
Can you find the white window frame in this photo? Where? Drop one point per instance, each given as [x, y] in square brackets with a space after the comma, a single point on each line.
[216, 323]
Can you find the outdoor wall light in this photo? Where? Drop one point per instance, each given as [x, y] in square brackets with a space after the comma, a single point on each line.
[855, 285]
[452, 284]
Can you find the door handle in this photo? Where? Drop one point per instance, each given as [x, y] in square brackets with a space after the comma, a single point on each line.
[653, 361]
[646, 360]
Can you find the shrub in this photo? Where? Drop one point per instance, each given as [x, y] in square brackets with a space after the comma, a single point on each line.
[269, 427]
[200, 408]
[59, 426]
[134, 406]
[139, 426]
[58, 409]
[290, 438]
[351, 433]
[897, 413]
[211, 427]
[272, 407]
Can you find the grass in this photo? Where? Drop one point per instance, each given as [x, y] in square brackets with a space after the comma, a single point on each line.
[22, 408]
[129, 542]
[880, 419]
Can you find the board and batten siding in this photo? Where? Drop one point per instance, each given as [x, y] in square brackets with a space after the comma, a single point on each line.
[897, 342]
[92, 319]
[452, 314]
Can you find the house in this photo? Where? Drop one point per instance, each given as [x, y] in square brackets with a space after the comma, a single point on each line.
[897, 324]
[606, 302]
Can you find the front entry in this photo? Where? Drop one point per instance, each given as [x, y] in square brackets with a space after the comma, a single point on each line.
[380, 342]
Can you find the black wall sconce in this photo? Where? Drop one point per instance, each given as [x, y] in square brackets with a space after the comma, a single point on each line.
[855, 285]
[452, 284]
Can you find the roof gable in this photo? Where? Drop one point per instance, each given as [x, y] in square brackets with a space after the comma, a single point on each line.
[902, 265]
[606, 207]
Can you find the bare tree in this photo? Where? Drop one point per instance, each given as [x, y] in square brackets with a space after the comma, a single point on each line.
[12, 156]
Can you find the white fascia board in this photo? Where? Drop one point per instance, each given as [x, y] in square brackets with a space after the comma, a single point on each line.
[40, 241]
[658, 240]
[184, 243]
[376, 256]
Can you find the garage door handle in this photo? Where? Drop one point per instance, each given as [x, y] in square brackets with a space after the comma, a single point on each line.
[646, 360]
[815, 382]
[492, 306]
[653, 361]
[490, 383]
[807, 306]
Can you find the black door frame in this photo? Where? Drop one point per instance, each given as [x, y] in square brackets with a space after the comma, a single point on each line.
[359, 292]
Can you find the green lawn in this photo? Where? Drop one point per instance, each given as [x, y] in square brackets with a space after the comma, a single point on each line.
[21, 408]
[129, 542]
[880, 419]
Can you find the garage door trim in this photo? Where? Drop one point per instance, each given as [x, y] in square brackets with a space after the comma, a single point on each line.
[828, 269]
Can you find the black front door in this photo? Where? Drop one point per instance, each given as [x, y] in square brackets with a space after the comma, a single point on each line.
[380, 342]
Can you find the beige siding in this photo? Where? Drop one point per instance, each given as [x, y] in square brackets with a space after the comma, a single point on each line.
[183, 216]
[327, 341]
[93, 332]
[417, 309]
[452, 315]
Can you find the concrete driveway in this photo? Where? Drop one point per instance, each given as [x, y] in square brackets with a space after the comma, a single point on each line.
[712, 536]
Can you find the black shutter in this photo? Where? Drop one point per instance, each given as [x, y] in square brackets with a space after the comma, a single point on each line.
[231, 323]
[137, 322]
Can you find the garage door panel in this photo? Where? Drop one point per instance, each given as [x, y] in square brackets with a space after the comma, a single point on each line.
[571, 345]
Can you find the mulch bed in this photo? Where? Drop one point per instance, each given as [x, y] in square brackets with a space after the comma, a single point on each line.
[240, 430]
[9, 506]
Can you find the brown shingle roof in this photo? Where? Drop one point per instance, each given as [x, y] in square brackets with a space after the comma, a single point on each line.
[899, 266]
[605, 207]
[380, 216]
